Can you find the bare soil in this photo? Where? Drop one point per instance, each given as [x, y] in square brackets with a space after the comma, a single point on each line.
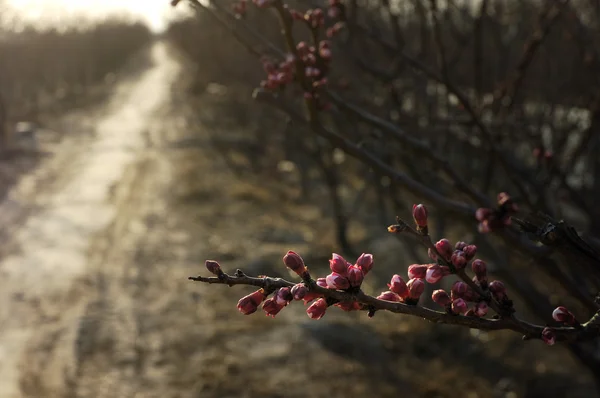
[98, 242]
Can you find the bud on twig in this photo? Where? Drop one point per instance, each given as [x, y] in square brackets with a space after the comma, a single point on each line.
[249, 304]
[271, 308]
[299, 291]
[479, 268]
[434, 273]
[389, 296]
[338, 264]
[337, 281]
[293, 261]
[416, 287]
[548, 336]
[460, 246]
[459, 306]
[444, 248]
[213, 267]
[283, 296]
[317, 309]
[458, 259]
[355, 276]
[498, 290]
[470, 251]
[459, 290]
[417, 271]
[365, 262]
[322, 282]
[562, 314]
[398, 286]
[440, 297]
[420, 216]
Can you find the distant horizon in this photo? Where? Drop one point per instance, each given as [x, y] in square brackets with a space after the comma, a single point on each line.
[156, 14]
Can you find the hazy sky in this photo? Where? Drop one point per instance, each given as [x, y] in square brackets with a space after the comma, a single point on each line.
[154, 12]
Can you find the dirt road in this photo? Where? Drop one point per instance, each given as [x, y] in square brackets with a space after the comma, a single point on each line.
[66, 226]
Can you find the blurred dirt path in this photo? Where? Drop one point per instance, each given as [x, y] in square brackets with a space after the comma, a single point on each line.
[63, 226]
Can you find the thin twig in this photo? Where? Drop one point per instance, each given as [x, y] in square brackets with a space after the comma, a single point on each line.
[528, 330]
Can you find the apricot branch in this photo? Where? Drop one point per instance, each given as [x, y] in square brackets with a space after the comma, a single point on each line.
[466, 305]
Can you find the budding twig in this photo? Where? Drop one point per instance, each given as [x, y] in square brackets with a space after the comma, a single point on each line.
[371, 303]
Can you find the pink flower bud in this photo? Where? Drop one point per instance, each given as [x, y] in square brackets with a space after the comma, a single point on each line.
[458, 259]
[548, 336]
[417, 271]
[562, 314]
[213, 267]
[470, 251]
[299, 291]
[337, 281]
[420, 215]
[317, 309]
[302, 48]
[283, 296]
[310, 59]
[325, 53]
[460, 246]
[338, 264]
[440, 297]
[503, 198]
[459, 306]
[271, 308]
[483, 214]
[249, 304]
[389, 296]
[365, 262]
[444, 248]
[498, 290]
[294, 262]
[416, 287]
[459, 289]
[355, 276]
[398, 286]
[479, 268]
[481, 309]
[322, 282]
[434, 273]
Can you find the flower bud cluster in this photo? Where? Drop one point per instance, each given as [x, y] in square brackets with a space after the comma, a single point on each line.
[344, 276]
[308, 64]
[466, 297]
[404, 292]
[278, 74]
[500, 217]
